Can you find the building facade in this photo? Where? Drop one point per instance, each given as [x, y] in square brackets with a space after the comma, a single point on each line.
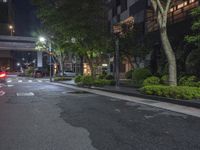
[140, 12]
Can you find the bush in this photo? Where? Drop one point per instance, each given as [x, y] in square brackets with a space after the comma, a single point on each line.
[165, 79]
[109, 77]
[189, 81]
[141, 74]
[78, 79]
[129, 74]
[29, 71]
[151, 81]
[177, 92]
[101, 76]
[61, 78]
[88, 80]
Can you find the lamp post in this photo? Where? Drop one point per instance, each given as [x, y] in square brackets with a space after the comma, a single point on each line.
[117, 32]
[43, 40]
[11, 30]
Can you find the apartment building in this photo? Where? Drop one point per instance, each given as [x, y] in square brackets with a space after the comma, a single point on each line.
[141, 13]
[125, 11]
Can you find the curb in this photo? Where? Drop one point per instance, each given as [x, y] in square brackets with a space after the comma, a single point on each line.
[189, 103]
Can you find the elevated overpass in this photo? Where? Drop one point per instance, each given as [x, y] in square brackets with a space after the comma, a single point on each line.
[9, 45]
[17, 43]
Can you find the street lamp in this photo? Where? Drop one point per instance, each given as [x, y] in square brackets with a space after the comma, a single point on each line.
[11, 30]
[43, 40]
[117, 31]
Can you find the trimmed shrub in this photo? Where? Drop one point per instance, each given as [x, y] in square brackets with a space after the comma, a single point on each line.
[141, 74]
[151, 81]
[109, 77]
[165, 79]
[101, 76]
[177, 92]
[189, 81]
[78, 79]
[29, 71]
[88, 80]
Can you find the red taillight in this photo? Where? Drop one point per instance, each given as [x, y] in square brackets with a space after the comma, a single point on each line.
[2, 75]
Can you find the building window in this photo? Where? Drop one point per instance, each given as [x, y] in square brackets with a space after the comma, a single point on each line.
[118, 3]
[123, 5]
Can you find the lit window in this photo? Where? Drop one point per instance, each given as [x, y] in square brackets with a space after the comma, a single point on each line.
[180, 5]
[172, 9]
[191, 1]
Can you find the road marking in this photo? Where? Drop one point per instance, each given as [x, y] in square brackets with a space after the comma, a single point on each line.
[10, 85]
[26, 94]
[39, 80]
[9, 81]
[30, 81]
[20, 81]
[2, 93]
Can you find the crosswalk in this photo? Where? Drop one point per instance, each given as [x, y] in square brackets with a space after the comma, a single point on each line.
[25, 80]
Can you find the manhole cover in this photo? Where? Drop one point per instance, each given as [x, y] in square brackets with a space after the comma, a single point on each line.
[25, 94]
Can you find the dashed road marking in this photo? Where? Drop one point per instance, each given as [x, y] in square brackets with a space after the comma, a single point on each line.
[30, 81]
[10, 85]
[26, 94]
[9, 81]
[20, 81]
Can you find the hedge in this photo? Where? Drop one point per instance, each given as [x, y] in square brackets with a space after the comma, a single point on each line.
[177, 92]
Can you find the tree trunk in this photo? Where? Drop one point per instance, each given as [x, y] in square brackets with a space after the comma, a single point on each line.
[90, 62]
[61, 63]
[170, 57]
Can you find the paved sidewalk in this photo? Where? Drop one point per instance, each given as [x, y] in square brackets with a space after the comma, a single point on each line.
[131, 91]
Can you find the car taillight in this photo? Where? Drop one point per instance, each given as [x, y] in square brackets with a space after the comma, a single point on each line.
[2, 75]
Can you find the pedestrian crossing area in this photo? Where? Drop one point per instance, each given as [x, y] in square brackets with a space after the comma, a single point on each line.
[26, 80]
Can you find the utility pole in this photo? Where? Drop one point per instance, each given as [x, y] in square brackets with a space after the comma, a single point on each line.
[117, 61]
[117, 31]
[50, 60]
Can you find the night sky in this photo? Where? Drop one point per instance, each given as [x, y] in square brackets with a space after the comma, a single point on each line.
[26, 23]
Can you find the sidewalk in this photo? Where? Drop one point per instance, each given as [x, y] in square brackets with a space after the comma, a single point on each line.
[131, 91]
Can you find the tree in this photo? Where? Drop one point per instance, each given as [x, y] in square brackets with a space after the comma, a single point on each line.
[161, 9]
[193, 61]
[132, 46]
[85, 21]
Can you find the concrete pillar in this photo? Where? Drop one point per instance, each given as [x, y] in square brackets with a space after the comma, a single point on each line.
[39, 59]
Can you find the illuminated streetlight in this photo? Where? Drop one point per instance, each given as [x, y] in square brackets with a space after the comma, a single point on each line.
[11, 30]
[43, 40]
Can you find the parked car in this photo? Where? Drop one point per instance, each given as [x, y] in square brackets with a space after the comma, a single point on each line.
[2, 76]
[69, 74]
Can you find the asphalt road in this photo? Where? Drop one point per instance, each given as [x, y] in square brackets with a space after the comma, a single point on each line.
[35, 115]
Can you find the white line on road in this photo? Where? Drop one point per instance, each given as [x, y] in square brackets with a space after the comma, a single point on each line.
[39, 81]
[30, 81]
[10, 85]
[20, 81]
[2, 93]
[25, 94]
[9, 81]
